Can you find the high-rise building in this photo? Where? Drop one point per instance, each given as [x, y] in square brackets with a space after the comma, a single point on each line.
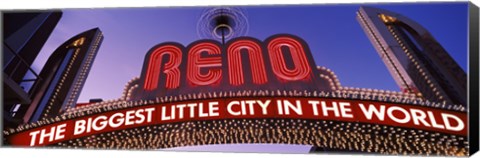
[23, 35]
[63, 76]
[417, 62]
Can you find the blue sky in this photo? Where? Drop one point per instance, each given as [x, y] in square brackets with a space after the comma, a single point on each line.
[331, 31]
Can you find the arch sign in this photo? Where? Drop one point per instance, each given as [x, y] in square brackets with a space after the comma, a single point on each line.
[250, 91]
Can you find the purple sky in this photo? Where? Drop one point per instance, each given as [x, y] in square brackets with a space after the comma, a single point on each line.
[331, 31]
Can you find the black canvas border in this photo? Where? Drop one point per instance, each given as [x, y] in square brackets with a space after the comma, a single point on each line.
[473, 95]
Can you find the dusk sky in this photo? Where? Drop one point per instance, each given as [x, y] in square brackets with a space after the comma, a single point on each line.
[333, 34]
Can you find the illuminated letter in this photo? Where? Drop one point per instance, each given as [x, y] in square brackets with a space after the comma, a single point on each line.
[119, 120]
[448, 125]
[103, 123]
[301, 69]
[235, 70]
[79, 127]
[170, 68]
[229, 108]
[34, 137]
[394, 118]
[196, 62]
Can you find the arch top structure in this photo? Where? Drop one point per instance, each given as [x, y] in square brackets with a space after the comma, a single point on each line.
[417, 62]
[374, 12]
[63, 76]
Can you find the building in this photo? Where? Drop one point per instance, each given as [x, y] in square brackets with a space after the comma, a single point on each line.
[24, 34]
[63, 75]
[417, 62]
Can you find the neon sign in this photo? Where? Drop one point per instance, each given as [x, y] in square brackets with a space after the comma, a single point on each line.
[242, 63]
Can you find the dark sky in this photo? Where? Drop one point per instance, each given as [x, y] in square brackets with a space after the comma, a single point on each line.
[331, 31]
